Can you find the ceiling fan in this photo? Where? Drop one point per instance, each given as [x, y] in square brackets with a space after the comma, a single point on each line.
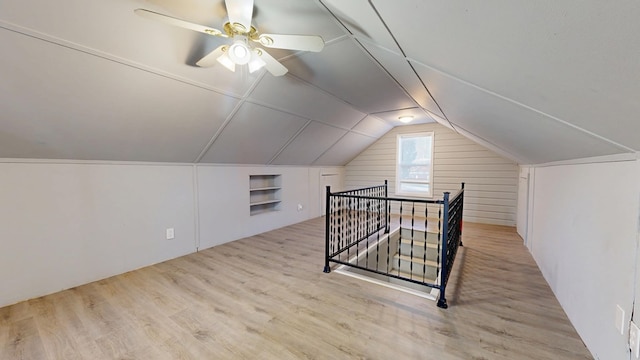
[245, 39]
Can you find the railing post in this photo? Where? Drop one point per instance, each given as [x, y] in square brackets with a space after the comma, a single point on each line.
[442, 300]
[387, 215]
[461, 213]
[327, 236]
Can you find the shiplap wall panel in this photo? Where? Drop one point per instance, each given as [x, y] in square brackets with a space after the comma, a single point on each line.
[491, 181]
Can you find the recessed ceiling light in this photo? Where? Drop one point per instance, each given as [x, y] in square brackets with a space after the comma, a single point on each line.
[406, 118]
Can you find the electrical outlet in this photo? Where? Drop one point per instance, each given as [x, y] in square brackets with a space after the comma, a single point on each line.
[170, 234]
[300, 207]
[634, 339]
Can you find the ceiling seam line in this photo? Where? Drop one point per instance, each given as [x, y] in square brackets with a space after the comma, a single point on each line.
[309, 121]
[386, 111]
[329, 148]
[563, 122]
[327, 93]
[361, 120]
[408, 62]
[228, 119]
[110, 57]
[334, 17]
[388, 73]
[269, 106]
[496, 149]
[218, 132]
[354, 38]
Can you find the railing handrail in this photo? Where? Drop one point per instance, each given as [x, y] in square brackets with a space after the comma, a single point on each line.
[359, 189]
[420, 201]
[453, 198]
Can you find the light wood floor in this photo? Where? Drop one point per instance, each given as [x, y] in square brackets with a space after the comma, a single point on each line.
[266, 297]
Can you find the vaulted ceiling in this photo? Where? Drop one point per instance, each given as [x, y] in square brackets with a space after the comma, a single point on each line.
[537, 81]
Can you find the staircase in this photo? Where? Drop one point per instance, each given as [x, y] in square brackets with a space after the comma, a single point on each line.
[415, 265]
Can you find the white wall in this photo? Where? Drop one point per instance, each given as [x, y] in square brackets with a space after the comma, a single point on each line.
[491, 181]
[67, 224]
[64, 225]
[224, 201]
[584, 237]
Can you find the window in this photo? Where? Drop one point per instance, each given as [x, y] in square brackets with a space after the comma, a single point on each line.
[414, 164]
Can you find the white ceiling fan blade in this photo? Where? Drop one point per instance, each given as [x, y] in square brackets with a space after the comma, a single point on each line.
[240, 11]
[211, 58]
[178, 22]
[292, 42]
[271, 64]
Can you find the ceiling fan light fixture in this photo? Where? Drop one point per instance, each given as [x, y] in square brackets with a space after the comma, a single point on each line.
[226, 61]
[239, 52]
[405, 119]
[256, 62]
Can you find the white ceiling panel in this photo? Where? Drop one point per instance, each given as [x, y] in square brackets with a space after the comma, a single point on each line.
[361, 20]
[292, 95]
[574, 60]
[294, 17]
[77, 106]
[541, 81]
[254, 135]
[314, 140]
[401, 70]
[373, 126]
[345, 70]
[527, 134]
[111, 29]
[345, 150]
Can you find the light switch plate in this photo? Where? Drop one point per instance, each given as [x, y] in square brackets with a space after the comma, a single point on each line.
[620, 319]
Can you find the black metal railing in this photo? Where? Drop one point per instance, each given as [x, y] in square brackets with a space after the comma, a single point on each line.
[420, 249]
[354, 216]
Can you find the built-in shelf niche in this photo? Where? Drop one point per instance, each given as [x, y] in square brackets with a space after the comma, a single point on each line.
[264, 193]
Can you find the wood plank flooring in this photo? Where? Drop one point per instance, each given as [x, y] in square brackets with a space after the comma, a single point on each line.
[266, 297]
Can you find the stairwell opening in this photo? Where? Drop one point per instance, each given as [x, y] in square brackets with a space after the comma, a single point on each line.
[415, 259]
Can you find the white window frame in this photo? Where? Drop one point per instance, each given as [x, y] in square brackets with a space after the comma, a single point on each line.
[399, 181]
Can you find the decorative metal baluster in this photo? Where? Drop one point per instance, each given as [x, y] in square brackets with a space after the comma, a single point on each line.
[424, 254]
[378, 246]
[341, 239]
[349, 231]
[378, 226]
[328, 230]
[444, 272]
[461, 212]
[387, 208]
[388, 242]
[358, 234]
[413, 212]
[367, 248]
[400, 239]
[438, 260]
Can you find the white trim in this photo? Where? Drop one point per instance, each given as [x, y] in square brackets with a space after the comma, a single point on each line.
[433, 295]
[593, 160]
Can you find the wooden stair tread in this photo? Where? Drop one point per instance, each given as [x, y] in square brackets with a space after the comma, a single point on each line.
[415, 260]
[419, 243]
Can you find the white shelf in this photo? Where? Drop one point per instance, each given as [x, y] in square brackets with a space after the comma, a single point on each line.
[266, 188]
[264, 193]
[264, 202]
